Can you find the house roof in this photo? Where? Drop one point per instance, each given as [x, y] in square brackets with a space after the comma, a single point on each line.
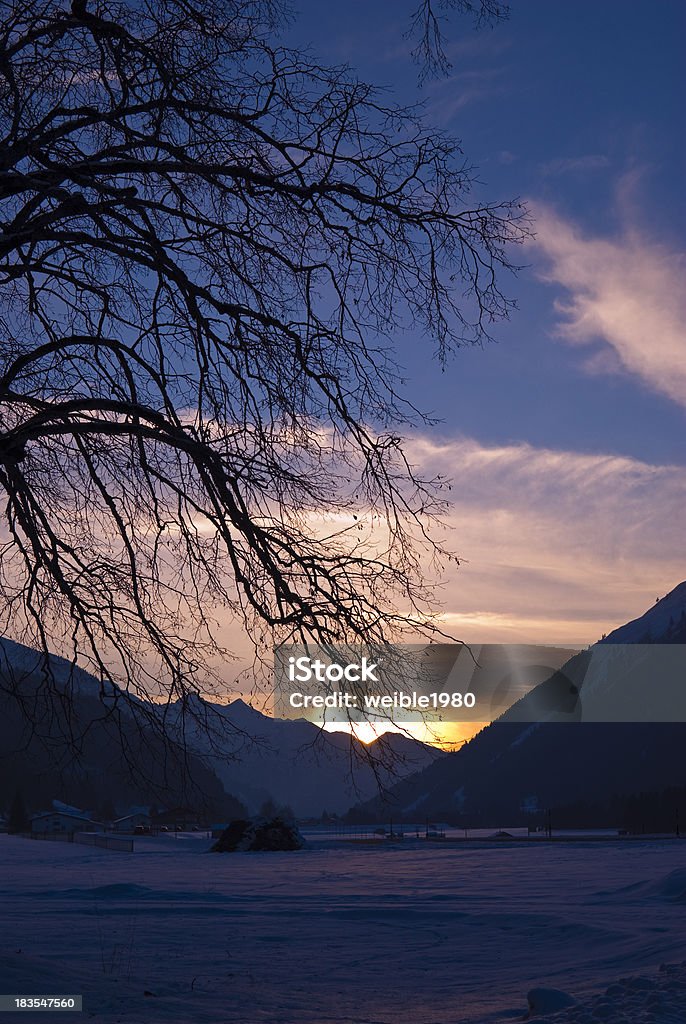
[61, 814]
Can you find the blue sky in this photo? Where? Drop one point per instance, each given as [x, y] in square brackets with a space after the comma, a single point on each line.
[565, 439]
[572, 105]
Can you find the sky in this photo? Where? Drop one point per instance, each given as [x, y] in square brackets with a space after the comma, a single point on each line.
[565, 437]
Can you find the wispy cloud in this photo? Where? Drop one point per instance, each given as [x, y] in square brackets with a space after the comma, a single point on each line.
[447, 96]
[627, 292]
[575, 164]
[558, 546]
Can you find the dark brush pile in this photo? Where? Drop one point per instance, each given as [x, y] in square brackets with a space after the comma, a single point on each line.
[259, 834]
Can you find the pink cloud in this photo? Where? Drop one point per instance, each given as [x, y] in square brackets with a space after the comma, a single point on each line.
[627, 293]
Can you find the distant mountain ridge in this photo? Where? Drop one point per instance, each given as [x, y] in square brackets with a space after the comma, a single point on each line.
[664, 622]
[244, 755]
[512, 771]
[62, 741]
[296, 763]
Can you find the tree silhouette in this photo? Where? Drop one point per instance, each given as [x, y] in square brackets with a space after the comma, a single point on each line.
[208, 245]
[427, 29]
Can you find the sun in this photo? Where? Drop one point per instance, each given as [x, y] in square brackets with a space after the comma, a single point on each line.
[444, 735]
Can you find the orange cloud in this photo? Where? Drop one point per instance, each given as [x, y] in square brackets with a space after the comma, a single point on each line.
[559, 546]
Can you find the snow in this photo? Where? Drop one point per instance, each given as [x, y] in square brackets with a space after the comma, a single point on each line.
[341, 933]
[658, 999]
[294, 762]
[548, 1000]
[655, 622]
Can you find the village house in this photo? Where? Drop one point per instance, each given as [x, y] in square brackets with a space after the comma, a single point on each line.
[131, 822]
[63, 822]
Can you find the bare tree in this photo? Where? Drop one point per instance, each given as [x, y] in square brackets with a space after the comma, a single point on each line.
[427, 28]
[208, 245]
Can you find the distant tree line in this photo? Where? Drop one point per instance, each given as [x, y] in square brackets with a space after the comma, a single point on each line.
[662, 811]
[649, 812]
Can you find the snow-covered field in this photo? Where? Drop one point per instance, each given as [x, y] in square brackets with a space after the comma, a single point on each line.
[368, 934]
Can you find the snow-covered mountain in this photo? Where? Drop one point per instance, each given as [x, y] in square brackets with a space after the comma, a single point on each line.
[294, 762]
[60, 739]
[513, 769]
[234, 750]
[664, 623]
